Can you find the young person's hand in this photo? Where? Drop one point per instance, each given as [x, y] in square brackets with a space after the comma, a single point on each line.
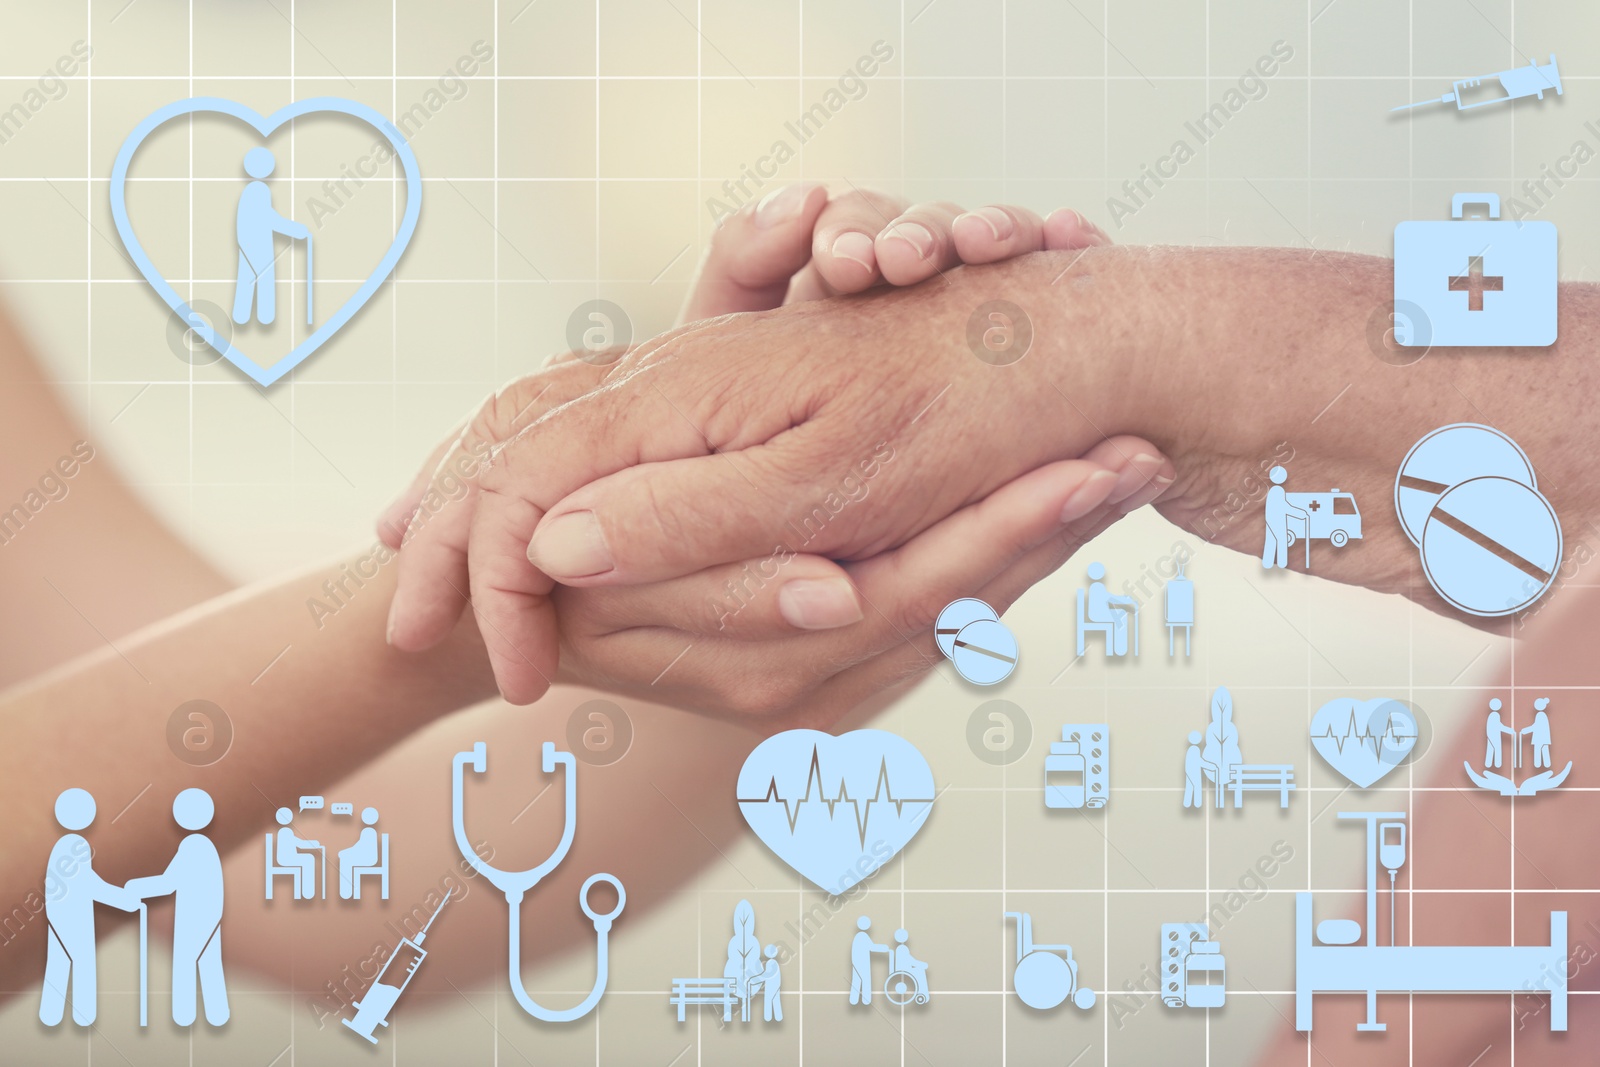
[801, 243]
[796, 245]
[725, 640]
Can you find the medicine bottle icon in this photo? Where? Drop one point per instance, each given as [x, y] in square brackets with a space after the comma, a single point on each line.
[1076, 770]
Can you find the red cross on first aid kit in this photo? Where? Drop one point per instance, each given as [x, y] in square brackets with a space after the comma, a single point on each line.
[1475, 281]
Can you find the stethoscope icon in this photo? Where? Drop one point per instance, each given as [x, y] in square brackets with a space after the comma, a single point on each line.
[515, 884]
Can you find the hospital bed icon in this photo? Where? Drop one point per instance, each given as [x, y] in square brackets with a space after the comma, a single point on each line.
[1335, 962]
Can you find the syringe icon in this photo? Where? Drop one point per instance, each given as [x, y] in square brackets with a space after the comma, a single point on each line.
[1532, 80]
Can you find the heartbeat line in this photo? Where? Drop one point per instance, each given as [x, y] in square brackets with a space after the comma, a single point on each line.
[1360, 735]
[882, 793]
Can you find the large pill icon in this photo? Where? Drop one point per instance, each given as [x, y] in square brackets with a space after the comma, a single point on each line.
[955, 615]
[1491, 546]
[984, 652]
[1447, 457]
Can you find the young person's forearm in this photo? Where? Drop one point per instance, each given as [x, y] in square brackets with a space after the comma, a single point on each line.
[309, 695]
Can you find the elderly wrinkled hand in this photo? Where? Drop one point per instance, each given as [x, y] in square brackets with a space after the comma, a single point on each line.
[684, 631]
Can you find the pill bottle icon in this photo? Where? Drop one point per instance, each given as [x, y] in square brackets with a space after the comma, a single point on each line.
[1075, 771]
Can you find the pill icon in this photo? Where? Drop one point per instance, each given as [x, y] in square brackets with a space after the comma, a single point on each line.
[956, 614]
[984, 652]
[1447, 457]
[1491, 546]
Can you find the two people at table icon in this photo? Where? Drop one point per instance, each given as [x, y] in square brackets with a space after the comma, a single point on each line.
[302, 859]
[907, 980]
[193, 879]
[256, 226]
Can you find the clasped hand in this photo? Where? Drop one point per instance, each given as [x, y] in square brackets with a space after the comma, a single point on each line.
[762, 513]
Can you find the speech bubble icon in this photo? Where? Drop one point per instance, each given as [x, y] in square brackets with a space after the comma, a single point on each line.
[309, 803]
[337, 808]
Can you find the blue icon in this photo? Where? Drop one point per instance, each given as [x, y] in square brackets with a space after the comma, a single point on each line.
[1046, 975]
[368, 857]
[1467, 498]
[1216, 757]
[1194, 973]
[835, 808]
[1180, 611]
[69, 914]
[305, 862]
[1478, 281]
[907, 980]
[1334, 961]
[253, 208]
[973, 638]
[1516, 83]
[372, 1010]
[1331, 516]
[1364, 739]
[194, 881]
[1109, 616]
[257, 225]
[1077, 770]
[750, 970]
[296, 857]
[1496, 732]
[516, 884]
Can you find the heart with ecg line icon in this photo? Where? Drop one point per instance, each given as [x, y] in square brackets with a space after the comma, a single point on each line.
[266, 374]
[1364, 739]
[836, 808]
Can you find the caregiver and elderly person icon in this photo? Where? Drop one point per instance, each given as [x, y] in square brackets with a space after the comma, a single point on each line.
[256, 226]
[193, 879]
[907, 980]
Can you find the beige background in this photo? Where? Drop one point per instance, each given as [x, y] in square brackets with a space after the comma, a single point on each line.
[576, 165]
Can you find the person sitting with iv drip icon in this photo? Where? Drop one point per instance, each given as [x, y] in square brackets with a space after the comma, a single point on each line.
[256, 225]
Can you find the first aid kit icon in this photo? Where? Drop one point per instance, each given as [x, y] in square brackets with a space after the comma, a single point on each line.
[1478, 282]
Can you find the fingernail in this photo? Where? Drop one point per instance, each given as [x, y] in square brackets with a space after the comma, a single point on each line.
[388, 630]
[1135, 476]
[1088, 496]
[781, 205]
[571, 546]
[918, 236]
[1151, 491]
[999, 223]
[856, 247]
[819, 603]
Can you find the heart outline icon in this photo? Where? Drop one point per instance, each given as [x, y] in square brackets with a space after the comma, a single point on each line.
[1358, 738]
[265, 125]
[835, 809]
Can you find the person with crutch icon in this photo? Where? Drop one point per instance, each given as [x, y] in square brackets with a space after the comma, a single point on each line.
[256, 224]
